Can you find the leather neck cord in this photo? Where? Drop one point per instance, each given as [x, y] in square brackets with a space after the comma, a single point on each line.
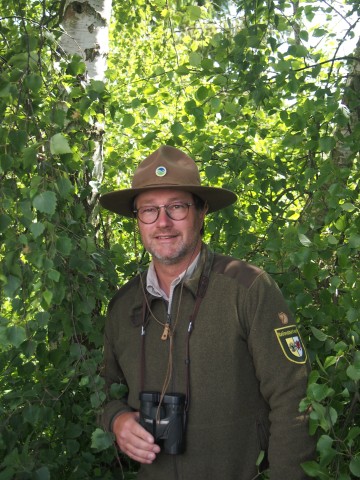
[200, 294]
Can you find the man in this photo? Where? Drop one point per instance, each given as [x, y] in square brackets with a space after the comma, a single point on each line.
[212, 328]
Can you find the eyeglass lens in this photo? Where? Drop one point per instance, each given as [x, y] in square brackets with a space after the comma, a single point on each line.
[175, 211]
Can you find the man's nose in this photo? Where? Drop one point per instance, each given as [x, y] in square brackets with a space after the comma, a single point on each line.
[163, 218]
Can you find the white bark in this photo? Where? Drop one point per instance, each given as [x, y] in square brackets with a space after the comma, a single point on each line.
[86, 27]
[86, 33]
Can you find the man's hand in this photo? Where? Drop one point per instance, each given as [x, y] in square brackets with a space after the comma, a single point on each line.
[133, 439]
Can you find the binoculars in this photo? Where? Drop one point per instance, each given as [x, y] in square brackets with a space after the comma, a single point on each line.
[165, 421]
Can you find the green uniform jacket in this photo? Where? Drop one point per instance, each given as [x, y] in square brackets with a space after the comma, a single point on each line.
[248, 373]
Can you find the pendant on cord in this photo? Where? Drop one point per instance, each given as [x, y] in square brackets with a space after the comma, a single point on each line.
[166, 331]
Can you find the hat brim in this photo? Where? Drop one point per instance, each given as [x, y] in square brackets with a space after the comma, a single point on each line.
[122, 201]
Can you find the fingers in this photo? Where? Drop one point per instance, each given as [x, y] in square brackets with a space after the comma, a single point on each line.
[133, 439]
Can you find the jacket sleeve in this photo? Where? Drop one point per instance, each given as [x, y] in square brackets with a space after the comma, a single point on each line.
[112, 374]
[282, 368]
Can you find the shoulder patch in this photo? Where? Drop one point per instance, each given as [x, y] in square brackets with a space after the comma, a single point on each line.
[291, 344]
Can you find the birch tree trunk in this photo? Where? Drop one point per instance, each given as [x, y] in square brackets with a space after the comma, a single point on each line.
[86, 27]
[86, 33]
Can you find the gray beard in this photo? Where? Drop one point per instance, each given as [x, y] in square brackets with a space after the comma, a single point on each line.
[184, 250]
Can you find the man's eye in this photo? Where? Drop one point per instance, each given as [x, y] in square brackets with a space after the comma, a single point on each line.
[147, 210]
[177, 206]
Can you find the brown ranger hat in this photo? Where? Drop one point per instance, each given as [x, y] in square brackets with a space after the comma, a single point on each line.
[165, 168]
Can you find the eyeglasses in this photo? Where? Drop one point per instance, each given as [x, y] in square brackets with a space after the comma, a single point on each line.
[175, 211]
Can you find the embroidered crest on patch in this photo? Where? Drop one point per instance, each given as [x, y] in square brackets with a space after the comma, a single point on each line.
[160, 171]
[283, 318]
[291, 344]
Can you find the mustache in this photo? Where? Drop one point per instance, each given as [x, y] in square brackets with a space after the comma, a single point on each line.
[164, 231]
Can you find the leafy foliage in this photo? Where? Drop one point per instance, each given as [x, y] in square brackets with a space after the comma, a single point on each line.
[55, 277]
[265, 101]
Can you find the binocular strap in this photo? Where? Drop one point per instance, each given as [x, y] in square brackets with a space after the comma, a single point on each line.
[200, 294]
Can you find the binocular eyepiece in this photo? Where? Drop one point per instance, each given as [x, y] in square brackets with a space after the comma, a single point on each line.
[166, 421]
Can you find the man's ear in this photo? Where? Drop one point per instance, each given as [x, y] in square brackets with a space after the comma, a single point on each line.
[203, 214]
[205, 209]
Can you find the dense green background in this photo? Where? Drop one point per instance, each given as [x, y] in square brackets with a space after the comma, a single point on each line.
[265, 96]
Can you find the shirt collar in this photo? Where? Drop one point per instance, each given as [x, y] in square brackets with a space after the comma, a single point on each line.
[152, 283]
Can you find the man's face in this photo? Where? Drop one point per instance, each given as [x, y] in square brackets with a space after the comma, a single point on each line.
[170, 241]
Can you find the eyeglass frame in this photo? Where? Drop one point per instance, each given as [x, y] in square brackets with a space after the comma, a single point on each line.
[165, 206]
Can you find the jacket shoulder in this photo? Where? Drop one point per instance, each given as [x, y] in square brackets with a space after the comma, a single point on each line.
[243, 272]
[123, 291]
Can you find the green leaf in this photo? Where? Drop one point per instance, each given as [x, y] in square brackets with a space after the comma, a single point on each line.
[340, 223]
[37, 229]
[101, 440]
[329, 361]
[29, 157]
[355, 466]
[314, 470]
[54, 275]
[97, 85]
[304, 35]
[118, 390]
[18, 139]
[319, 334]
[5, 89]
[297, 51]
[6, 161]
[33, 82]
[304, 240]
[348, 207]
[326, 144]
[73, 430]
[353, 433]
[59, 144]
[260, 458]
[5, 221]
[97, 398]
[47, 296]
[195, 59]
[194, 12]
[354, 240]
[32, 414]
[213, 171]
[150, 89]
[45, 202]
[43, 473]
[319, 32]
[128, 120]
[11, 286]
[202, 93]
[7, 474]
[177, 129]
[152, 111]
[319, 392]
[16, 335]
[353, 372]
[64, 245]
[76, 66]
[65, 187]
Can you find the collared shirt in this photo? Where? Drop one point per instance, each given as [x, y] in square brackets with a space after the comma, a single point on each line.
[152, 283]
